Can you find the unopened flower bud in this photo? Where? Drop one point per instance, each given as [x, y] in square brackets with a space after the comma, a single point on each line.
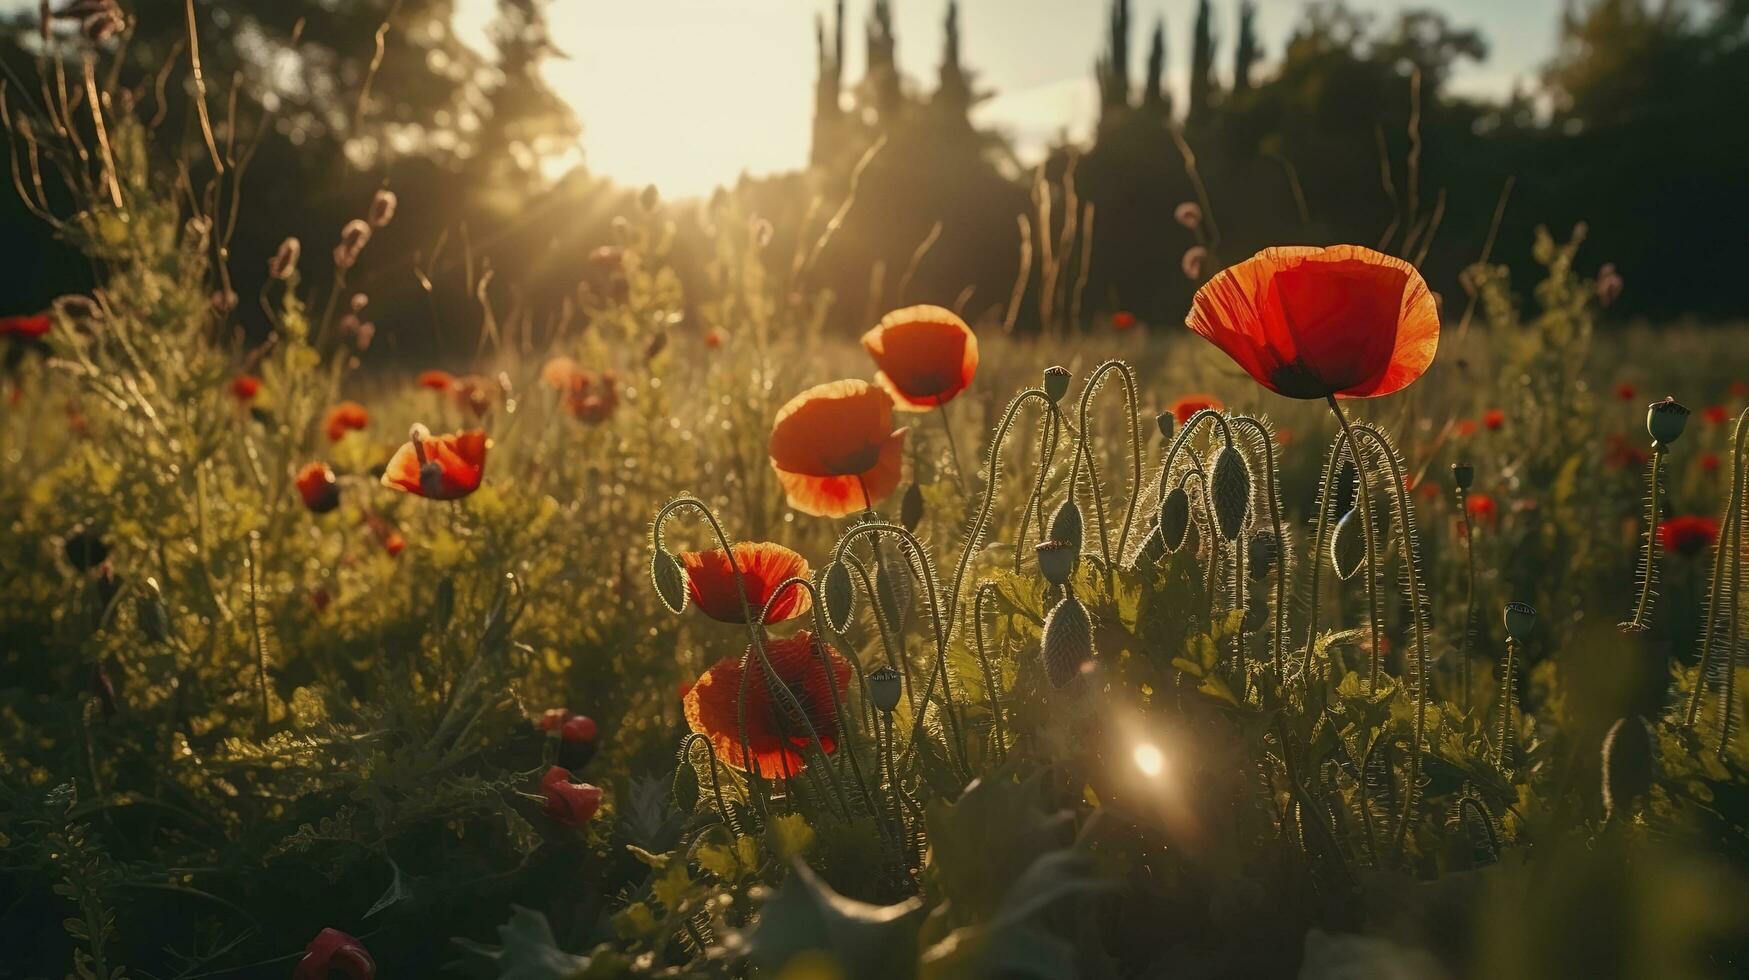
[1166, 421]
[1056, 561]
[884, 687]
[382, 208]
[1056, 382]
[1665, 421]
[1520, 620]
[1463, 475]
[1067, 646]
[284, 263]
[1188, 214]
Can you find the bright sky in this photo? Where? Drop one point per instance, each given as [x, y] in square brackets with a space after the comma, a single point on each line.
[687, 94]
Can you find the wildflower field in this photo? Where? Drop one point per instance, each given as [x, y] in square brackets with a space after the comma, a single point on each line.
[1334, 627]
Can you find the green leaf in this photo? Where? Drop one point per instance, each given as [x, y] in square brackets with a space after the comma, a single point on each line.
[529, 951]
[869, 942]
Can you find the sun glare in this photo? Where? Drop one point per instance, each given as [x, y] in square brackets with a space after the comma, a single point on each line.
[1149, 759]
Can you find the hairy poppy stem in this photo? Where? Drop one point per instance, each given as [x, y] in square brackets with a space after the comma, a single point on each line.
[1364, 487]
[1278, 639]
[1050, 431]
[255, 634]
[953, 449]
[985, 590]
[1508, 677]
[1649, 557]
[1463, 651]
[1727, 548]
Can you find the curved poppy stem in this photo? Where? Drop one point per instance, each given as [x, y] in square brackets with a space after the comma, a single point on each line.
[1320, 535]
[1725, 549]
[1278, 638]
[1364, 487]
[986, 589]
[1084, 450]
[1649, 557]
[692, 741]
[1463, 652]
[980, 524]
[1050, 431]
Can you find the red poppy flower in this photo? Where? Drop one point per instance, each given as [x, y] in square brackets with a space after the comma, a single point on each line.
[1123, 320]
[1482, 508]
[1623, 454]
[475, 394]
[1284, 437]
[1716, 414]
[572, 804]
[1709, 462]
[1189, 405]
[551, 719]
[1494, 418]
[560, 373]
[1314, 322]
[1688, 534]
[320, 599]
[333, 954]
[316, 484]
[244, 387]
[710, 580]
[1466, 427]
[775, 737]
[835, 449]
[1626, 392]
[436, 380]
[578, 728]
[394, 542]
[714, 338]
[593, 398]
[25, 327]
[926, 356]
[344, 418]
[438, 467]
[1739, 389]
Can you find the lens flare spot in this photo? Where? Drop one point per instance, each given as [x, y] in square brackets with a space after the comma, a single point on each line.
[1149, 759]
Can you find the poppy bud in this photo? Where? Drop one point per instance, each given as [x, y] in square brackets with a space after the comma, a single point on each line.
[884, 687]
[1066, 525]
[1188, 214]
[839, 596]
[1629, 764]
[572, 804]
[1265, 549]
[1056, 561]
[382, 208]
[1665, 421]
[1230, 491]
[318, 488]
[84, 549]
[911, 507]
[551, 719]
[893, 589]
[670, 582]
[284, 263]
[150, 613]
[353, 238]
[1165, 421]
[1056, 382]
[1175, 519]
[1192, 262]
[578, 728]
[1463, 475]
[1067, 647]
[658, 343]
[1520, 620]
[334, 955]
[1348, 545]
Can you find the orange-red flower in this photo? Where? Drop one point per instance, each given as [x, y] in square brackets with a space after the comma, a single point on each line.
[711, 581]
[560, 373]
[1482, 508]
[1626, 392]
[1315, 322]
[25, 327]
[714, 338]
[438, 467]
[1189, 405]
[316, 484]
[244, 387]
[926, 356]
[835, 449]
[475, 394]
[572, 804]
[1493, 419]
[335, 954]
[436, 380]
[1716, 414]
[1688, 534]
[344, 418]
[1709, 462]
[774, 734]
[1466, 427]
[1123, 320]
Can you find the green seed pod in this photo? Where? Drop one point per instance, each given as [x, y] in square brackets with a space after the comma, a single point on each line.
[1462, 475]
[1230, 491]
[669, 580]
[1264, 549]
[1066, 525]
[1166, 421]
[1520, 620]
[1056, 561]
[1068, 642]
[884, 687]
[1175, 519]
[1348, 545]
[911, 507]
[1056, 382]
[1665, 420]
[1629, 764]
[838, 596]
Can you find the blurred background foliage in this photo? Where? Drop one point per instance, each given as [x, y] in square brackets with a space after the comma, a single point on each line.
[1347, 134]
